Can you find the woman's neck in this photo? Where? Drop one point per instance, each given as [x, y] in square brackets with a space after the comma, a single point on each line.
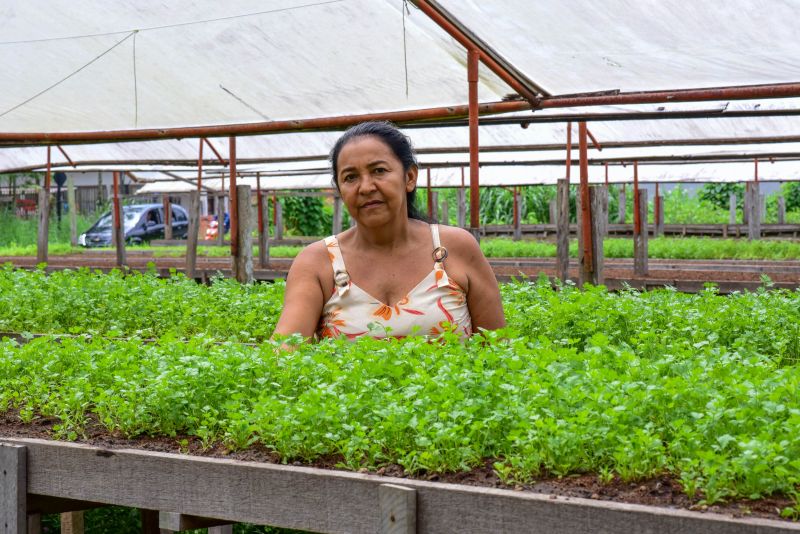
[388, 237]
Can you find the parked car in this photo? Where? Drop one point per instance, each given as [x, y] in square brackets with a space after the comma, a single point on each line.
[141, 222]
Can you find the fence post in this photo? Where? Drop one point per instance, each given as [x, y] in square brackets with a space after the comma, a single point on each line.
[732, 208]
[562, 231]
[434, 197]
[220, 209]
[659, 216]
[445, 212]
[598, 205]
[553, 212]
[621, 206]
[781, 210]
[462, 207]
[193, 233]
[263, 233]
[337, 215]
[278, 220]
[73, 211]
[13, 489]
[753, 211]
[517, 217]
[640, 266]
[243, 261]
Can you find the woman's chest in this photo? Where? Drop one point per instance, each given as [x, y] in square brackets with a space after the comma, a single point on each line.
[389, 281]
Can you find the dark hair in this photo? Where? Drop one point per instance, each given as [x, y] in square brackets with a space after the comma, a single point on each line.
[400, 144]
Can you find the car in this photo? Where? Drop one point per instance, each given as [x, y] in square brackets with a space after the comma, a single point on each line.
[141, 222]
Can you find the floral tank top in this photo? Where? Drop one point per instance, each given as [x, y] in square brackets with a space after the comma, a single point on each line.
[436, 304]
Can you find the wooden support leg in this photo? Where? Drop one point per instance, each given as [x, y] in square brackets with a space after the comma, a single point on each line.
[640, 266]
[72, 523]
[398, 508]
[149, 521]
[562, 231]
[35, 524]
[13, 489]
[263, 234]
[243, 262]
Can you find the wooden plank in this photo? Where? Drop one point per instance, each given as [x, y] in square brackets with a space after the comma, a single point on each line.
[753, 211]
[278, 220]
[434, 198]
[219, 209]
[73, 211]
[192, 235]
[34, 523]
[41, 504]
[659, 222]
[598, 199]
[44, 224]
[640, 238]
[732, 208]
[263, 234]
[517, 217]
[13, 488]
[243, 261]
[445, 212]
[222, 529]
[553, 212]
[72, 523]
[337, 215]
[398, 509]
[334, 501]
[562, 232]
[622, 206]
[781, 210]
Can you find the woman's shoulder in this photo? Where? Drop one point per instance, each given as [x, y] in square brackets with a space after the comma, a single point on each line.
[314, 257]
[458, 241]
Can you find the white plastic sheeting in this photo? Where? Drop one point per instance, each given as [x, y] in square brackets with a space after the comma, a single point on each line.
[87, 65]
[572, 46]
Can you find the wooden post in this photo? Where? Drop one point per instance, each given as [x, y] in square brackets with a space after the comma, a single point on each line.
[278, 220]
[72, 523]
[517, 217]
[263, 234]
[746, 210]
[243, 259]
[462, 207]
[658, 224]
[562, 231]
[445, 212]
[220, 209]
[640, 266]
[118, 230]
[584, 213]
[167, 204]
[598, 200]
[73, 211]
[781, 210]
[337, 214]
[234, 204]
[762, 203]
[553, 212]
[193, 233]
[753, 212]
[34, 523]
[398, 509]
[44, 215]
[434, 205]
[13, 489]
[622, 206]
[732, 208]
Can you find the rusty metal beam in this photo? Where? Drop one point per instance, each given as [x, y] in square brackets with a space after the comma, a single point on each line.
[64, 153]
[474, 165]
[526, 88]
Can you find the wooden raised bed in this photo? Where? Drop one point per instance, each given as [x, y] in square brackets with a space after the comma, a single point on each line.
[41, 476]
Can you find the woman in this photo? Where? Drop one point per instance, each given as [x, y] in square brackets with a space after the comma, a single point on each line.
[392, 274]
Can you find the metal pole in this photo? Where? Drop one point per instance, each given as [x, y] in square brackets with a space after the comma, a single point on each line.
[474, 193]
[569, 151]
[234, 214]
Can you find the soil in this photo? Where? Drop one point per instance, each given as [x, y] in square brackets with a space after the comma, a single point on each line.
[664, 490]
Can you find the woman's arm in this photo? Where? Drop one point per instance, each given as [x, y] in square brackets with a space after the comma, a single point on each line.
[304, 298]
[483, 292]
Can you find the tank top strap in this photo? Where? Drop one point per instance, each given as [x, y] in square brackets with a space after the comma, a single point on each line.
[340, 277]
[439, 255]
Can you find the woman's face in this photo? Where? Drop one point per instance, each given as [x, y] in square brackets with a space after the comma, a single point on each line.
[372, 181]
